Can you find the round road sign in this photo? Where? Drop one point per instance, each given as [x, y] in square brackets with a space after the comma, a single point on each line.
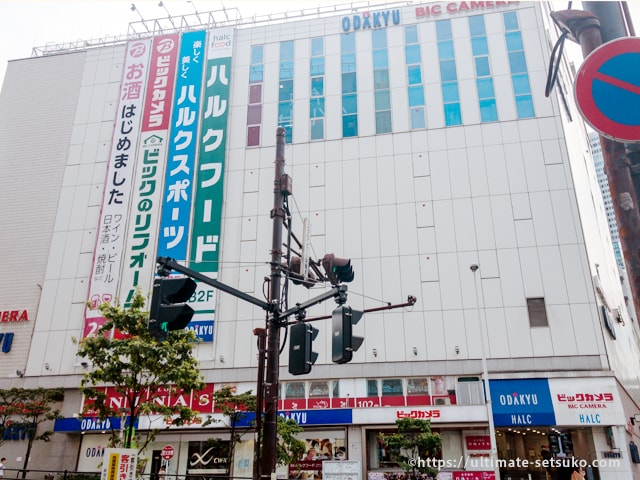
[608, 89]
[167, 452]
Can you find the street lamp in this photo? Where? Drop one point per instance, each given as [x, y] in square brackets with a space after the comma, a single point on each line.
[485, 371]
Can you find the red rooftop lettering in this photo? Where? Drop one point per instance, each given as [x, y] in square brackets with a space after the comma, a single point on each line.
[14, 316]
[455, 7]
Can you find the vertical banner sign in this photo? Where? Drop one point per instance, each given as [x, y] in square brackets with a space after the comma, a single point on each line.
[207, 220]
[178, 196]
[119, 464]
[107, 261]
[139, 260]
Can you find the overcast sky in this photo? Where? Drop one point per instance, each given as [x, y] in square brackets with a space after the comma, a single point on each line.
[25, 24]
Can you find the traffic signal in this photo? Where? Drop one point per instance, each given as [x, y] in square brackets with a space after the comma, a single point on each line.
[554, 443]
[301, 357]
[566, 442]
[343, 343]
[338, 269]
[168, 311]
[297, 275]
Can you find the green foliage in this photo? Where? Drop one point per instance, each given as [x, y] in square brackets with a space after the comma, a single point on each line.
[289, 448]
[139, 367]
[414, 440]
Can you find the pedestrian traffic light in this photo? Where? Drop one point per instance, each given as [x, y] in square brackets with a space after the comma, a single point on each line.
[567, 443]
[338, 269]
[343, 343]
[554, 443]
[168, 311]
[301, 356]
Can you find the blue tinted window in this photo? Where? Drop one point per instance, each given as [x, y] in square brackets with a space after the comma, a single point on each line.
[517, 62]
[524, 105]
[476, 25]
[383, 122]
[482, 66]
[443, 30]
[488, 111]
[316, 107]
[416, 96]
[412, 54]
[479, 46]
[411, 34]
[348, 43]
[284, 112]
[448, 71]
[317, 47]
[349, 125]
[485, 88]
[381, 79]
[379, 38]
[316, 66]
[521, 84]
[348, 82]
[286, 90]
[445, 50]
[450, 92]
[255, 73]
[317, 129]
[414, 74]
[511, 21]
[317, 86]
[256, 54]
[514, 41]
[382, 100]
[348, 62]
[452, 114]
[380, 59]
[288, 133]
[286, 70]
[286, 51]
[417, 117]
[349, 104]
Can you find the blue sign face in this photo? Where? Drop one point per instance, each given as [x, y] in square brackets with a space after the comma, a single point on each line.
[307, 417]
[87, 424]
[521, 403]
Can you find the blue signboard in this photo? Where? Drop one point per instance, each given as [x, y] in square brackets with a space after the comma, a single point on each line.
[87, 424]
[338, 416]
[521, 403]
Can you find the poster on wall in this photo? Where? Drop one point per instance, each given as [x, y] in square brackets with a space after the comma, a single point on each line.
[119, 464]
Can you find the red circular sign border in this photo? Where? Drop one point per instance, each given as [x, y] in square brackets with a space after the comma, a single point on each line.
[584, 98]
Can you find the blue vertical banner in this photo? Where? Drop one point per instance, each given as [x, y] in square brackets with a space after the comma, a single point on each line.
[521, 402]
[179, 176]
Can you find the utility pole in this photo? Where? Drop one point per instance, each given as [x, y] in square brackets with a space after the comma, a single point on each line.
[281, 185]
[603, 22]
[261, 333]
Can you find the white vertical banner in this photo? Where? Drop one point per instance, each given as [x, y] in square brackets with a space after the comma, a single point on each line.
[112, 228]
[119, 464]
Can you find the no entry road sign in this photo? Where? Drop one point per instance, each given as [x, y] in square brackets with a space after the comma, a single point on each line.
[608, 89]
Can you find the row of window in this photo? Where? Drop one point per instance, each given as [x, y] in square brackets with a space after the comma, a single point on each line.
[382, 97]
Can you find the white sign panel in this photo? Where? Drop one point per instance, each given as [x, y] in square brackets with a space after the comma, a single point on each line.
[435, 413]
[119, 464]
[586, 401]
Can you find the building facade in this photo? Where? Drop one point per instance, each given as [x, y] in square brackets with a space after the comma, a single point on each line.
[421, 146]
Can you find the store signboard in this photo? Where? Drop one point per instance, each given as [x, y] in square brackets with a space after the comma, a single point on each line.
[436, 414]
[524, 402]
[586, 401]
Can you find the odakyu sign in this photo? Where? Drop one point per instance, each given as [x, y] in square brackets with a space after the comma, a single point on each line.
[369, 20]
[521, 402]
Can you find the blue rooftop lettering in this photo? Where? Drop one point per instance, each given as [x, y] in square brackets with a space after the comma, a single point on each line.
[371, 20]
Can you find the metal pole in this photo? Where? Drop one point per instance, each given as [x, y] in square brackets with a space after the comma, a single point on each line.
[586, 30]
[493, 458]
[261, 333]
[270, 434]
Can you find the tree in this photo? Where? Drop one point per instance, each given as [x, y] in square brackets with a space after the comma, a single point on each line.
[23, 410]
[414, 440]
[140, 367]
[289, 448]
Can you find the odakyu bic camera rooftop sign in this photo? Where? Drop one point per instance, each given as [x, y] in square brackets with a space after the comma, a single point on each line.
[386, 18]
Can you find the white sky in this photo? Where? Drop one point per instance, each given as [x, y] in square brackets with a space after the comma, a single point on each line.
[25, 24]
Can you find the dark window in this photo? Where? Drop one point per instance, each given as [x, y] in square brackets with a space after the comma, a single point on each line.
[372, 388]
[294, 390]
[253, 136]
[255, 93]
[392, 387]
[537, 312]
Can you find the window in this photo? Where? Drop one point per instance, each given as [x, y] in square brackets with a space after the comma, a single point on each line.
[518, 66]
[448, 73]
[537, 312]
[294, 390]
[392, 387]
[469, 391]
[415, 90]
[418, 386]
[254, 110]
[484, 81]
[318, 389]
[316, 103]
[381, 81]
[372, 388]
[285, 105]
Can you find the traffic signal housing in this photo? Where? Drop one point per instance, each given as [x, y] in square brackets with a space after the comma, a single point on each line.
[301, 356]
[168, 311]
[338, 270]
[297, 275]
[343, 343]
